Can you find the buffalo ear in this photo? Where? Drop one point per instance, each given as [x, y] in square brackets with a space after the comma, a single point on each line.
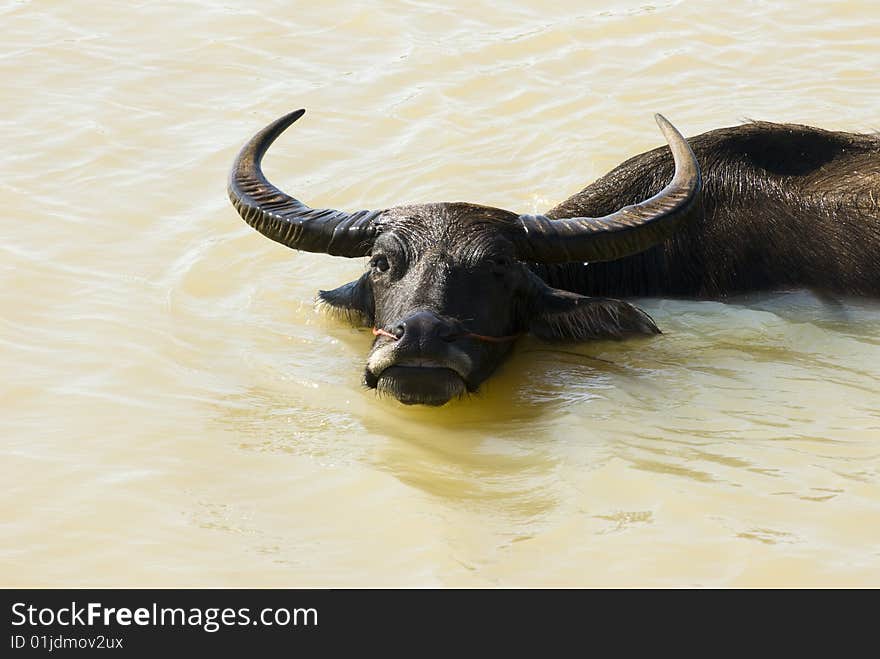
[352, 301]
[562, 316]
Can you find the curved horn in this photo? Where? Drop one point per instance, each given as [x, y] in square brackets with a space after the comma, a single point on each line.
[287, 220]
[630, 230]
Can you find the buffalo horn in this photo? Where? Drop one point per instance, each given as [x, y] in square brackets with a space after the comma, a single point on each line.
[630, 230]
[287, 220]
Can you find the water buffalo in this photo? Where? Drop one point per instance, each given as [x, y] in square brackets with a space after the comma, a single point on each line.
[451, 285]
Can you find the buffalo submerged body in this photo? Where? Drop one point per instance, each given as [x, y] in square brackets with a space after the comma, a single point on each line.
[450, 286]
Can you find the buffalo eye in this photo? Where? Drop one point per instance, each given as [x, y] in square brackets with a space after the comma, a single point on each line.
[380, 263]
[500, 265]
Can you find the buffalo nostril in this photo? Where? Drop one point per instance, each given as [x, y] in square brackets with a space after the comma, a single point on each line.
[422, 327]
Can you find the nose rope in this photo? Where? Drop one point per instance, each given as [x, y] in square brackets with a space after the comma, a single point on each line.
[469, 335]
[381, 332]
[491, 339]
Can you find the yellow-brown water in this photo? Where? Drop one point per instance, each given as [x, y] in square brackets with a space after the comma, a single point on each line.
[175, 412]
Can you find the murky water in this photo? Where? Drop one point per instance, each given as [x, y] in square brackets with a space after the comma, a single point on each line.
[175, 412]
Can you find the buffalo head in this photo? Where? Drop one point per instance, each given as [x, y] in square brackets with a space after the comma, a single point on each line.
[448, 287]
